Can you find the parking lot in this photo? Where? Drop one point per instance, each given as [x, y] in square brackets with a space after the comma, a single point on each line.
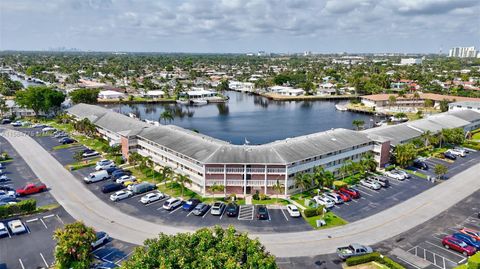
[454, 167]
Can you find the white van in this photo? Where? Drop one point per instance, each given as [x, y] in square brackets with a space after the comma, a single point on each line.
[96, 176]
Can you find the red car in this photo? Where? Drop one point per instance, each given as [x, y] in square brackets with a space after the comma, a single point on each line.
[31, 189]
[351, 192]
[345, 197]
[450, 242]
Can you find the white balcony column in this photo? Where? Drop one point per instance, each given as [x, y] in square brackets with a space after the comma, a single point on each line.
[265, 179]
[286, 181]
[204, 188]
[224, 178]
[245, 180]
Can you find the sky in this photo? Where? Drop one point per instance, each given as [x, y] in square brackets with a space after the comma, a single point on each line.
[240, 26]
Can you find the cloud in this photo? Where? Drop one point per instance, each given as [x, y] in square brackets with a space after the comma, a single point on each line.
[431, 7]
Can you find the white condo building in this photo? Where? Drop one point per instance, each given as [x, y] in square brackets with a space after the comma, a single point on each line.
[463, 52]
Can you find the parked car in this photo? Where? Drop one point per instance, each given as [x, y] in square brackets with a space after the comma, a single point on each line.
[467, 239]
[3, 230]
[104, 164]
[465, 150]
[217, 208]
[473, 233]
[355, 194]
[190, 204]
[402, 172]
[420, 164]
[321, 200]
[4, 200]
[66, 140]
[395, 175]
[60, 134]
[448, 155]
[89, 153]
[48, 129]
[6, 121]
[457, 152]
[201, 209]
[353, 250]
[4, 178]
[105, 265]
[293, 211]
[381, 181]
[337, 199]
[101, 238]
[172, 203]
[38, 125]
[152, 197]
[232, 209]
[370, 184]
[16, 227]
[125, 178]
[120, 173]
[262, 213]
[96, 176]
[345, 197]
[16, 123]
[8, 193]
[111, 187]
[31, 189]
[120, 195]
[450, 242]
[142, 187]
[110, 170]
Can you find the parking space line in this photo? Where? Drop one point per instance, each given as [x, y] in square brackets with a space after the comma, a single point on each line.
[93, 252]
[206, 213]
[9, 235]
[31, 220]
[149, 204]
[448, 250]
[175, 209]
[43, 258]
[28, 229]
[41, 220]
[48, 216]
[363, 192]
[110, 253]
[21, 263]
[223, 212]
[285, 215]
[414, 266]
[189, 213]
[60, 219]
[124, 257]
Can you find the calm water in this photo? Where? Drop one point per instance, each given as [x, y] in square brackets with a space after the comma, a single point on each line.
[257, 119]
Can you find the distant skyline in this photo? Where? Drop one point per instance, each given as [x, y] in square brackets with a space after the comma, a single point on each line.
[241, 26]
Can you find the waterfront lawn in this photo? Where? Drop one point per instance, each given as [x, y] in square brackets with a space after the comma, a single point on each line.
[66, 146]
[330, 218]
[271, 201]
[476, 136]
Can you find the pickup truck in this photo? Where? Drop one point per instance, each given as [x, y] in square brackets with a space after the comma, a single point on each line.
[353, 250]
[31, 189]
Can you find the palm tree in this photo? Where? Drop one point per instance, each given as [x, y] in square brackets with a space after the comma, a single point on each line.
[166, 116]
[368, 162]
[426, 136]
[214, 188]
[318, 175]
[303, 181]
[392, 100]
[328, 179]
[166, 172]
[183, 180]
[358, 123]
[344, 170]
[3, 107]
[278, 187]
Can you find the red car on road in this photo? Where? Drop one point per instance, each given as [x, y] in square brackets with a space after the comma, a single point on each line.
[450, 242]
[31, 189]
[351, 192]
[345, 197]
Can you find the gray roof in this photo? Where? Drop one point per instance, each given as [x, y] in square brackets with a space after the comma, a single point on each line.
[468, 115]
[438, 122]
[472, 104]
[395, 133]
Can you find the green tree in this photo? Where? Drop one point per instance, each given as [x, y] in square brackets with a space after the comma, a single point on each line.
[3, 107]
[78, 156]
[358, 123]
[223, 85]
[404, 154]
[216, 188]
[166, 116]
[392, 100]
[85, 126]
[368, 162]
[40, 98]
[278, 188]
[87, 96]
[428, 103]
[444, 105]
[74, 248]
[214, 248]
[303, 181]
[183, 180]
[440, 170]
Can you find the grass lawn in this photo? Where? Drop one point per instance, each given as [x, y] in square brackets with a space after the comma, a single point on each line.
[476, 136]
[369, 265]
[7, 160]
[415, 173]
[82, 164]
[173, 189]
[331, 219]
[271, 201]
[211, 200]
[66, 146]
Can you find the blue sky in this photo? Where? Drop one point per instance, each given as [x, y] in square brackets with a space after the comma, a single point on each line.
[240, 25]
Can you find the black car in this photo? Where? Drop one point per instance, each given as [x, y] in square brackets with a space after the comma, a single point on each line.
[66, 140]
[201, 209]
[120, 173]
[6, 188]
[232, 210]
[420, 165]
[190, 204]
[110, 170]
[6, 121]
[262, 213]
[449, 155]
[8, 199]
[111, 187]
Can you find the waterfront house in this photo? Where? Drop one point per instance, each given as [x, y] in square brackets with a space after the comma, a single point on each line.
[154, 94]
[109, 94]
[381, 101]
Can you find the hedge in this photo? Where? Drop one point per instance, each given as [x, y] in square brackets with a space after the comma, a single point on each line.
[373, 257]
[312, 212]
[22, 207]
[339, 184]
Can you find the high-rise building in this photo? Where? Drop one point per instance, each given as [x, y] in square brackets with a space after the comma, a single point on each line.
[463, 52]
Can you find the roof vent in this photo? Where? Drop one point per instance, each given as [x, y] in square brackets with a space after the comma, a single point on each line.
[333, 139]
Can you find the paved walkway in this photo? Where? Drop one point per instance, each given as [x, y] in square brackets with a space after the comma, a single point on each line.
[84, 205]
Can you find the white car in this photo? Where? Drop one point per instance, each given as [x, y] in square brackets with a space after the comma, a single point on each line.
[370, 184]
[457, 152]
[462, 149]
[293, 211]
[16, 227]
[334, 197]
[104, 164]
[152, 197]
[38, 125]
[125, 178]
[403, 173]
[172, 203]
[16, 123]
[393, 174]
[90, 153]
[48, 129]
[100, 239]
[120, 195]
[3, 178]
[3, 230]
[322, 200]
[12, 194]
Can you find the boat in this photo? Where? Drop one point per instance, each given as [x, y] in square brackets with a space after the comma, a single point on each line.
[199, 102]
[341, 108]
[183, 102]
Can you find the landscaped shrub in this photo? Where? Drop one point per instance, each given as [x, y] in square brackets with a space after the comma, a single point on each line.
[474, 261]
[263, 196]
[390, 168]
[256, 196]
[310, 212]
[25, 206]
[376, 257]
[337, 184]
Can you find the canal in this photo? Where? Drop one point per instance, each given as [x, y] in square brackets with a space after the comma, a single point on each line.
[249, 117]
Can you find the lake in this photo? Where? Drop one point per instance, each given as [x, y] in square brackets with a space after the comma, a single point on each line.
[249, 117]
